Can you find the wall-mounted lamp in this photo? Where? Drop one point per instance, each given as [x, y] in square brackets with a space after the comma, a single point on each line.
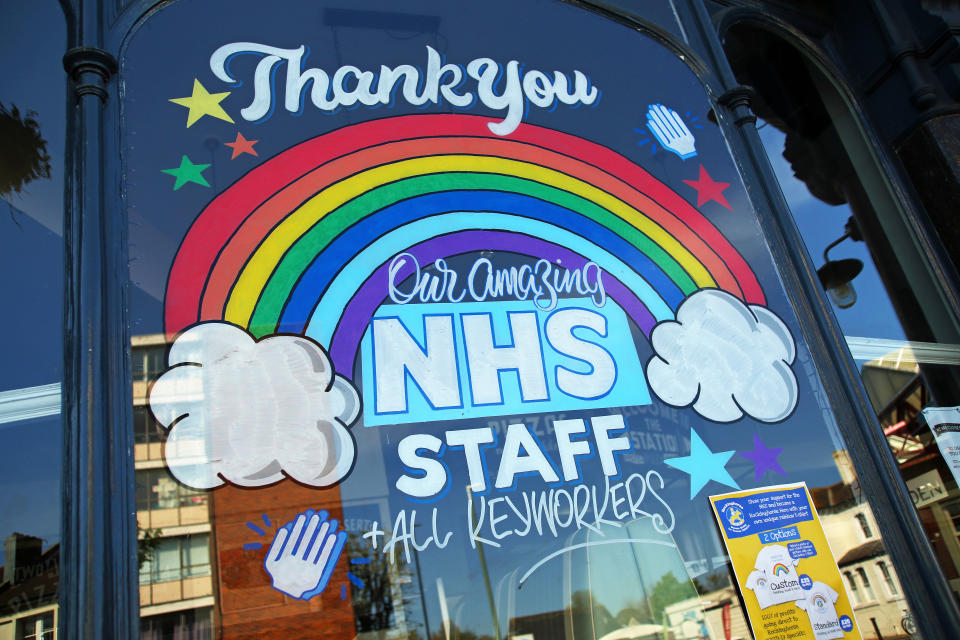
[837, 276]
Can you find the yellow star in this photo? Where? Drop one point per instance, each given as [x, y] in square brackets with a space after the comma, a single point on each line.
[202, 103]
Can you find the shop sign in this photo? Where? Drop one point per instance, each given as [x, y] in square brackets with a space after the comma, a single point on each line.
[785, 571]
[926, 488]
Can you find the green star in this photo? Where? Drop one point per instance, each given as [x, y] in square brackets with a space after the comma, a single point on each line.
[187, 172]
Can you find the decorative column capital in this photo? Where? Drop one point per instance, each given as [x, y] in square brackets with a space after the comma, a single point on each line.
[737, 100]
[90, 69]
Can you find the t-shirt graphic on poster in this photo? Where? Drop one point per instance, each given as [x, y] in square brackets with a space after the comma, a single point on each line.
[758, 583]
[818, 603]
[783, 582]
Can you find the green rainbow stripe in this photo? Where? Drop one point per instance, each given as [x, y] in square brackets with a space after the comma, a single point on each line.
[268, 310]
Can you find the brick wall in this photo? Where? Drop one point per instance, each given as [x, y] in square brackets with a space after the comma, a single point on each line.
[247, 606]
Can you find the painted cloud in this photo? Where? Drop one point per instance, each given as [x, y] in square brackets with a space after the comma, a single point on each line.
[725, 358]
[252, 412]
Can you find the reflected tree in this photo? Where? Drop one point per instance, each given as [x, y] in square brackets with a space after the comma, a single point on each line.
[373, 604]
[23, 154]
[712, 581]
[591, 619]
[667, 591]
[635, 611]
[147, 542]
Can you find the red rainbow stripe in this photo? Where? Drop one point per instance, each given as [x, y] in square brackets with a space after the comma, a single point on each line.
[229, 230]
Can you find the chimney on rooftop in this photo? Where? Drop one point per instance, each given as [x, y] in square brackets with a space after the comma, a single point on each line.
[20, 552]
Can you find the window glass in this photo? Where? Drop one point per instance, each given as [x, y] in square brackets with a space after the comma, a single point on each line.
[190, 624]
[196, 556]
[147, 362]
[176, 558]
[146, 429]
[156, 489]
[167, 561]
[460, 327]
[40, 627]
[892, 588]
[32, 131]
[854, 589]
[889, 364]
[867, 587]
[898, 330]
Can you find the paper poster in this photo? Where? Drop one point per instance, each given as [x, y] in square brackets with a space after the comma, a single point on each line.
[784, 568]
[945, 424]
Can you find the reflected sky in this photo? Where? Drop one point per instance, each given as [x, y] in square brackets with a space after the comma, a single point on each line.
[32, 42]
[872, 316]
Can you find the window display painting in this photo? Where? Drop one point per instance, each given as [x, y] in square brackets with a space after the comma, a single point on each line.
[440, 336]
[346, 268]
[786, 572]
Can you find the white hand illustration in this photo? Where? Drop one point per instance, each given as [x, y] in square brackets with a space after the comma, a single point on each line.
[304, 553]
[668, 128]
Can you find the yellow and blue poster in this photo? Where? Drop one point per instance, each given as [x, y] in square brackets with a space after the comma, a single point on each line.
[786, 573]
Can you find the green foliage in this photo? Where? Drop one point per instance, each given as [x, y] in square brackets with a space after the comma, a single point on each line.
[147, 541]
[712, 581]
[667, 591]
[23, 151]
[373, 604]
[634, 612]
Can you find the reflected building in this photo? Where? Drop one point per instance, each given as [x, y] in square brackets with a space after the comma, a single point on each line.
[203, 576]
[898, 389]
[851, 528]
[708, 616]
[29, 588]
[176, 577]
[202, 572]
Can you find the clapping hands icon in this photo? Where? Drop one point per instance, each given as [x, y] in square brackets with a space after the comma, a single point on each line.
[671, 132]
[304, 553]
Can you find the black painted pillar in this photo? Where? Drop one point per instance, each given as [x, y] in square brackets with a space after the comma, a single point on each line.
[98, 582]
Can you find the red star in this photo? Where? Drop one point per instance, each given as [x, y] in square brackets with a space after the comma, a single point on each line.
[708, 189]
[242, 145]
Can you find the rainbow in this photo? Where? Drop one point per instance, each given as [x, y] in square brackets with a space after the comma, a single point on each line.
[301, 243]
[780, 569]
[819, 601]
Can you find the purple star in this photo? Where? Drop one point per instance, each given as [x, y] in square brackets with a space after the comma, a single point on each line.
[764, 458]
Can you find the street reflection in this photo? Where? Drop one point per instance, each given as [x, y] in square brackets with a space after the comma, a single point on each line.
[202, 557]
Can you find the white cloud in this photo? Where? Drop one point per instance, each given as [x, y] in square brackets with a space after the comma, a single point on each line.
[249, 412]
[725, 358]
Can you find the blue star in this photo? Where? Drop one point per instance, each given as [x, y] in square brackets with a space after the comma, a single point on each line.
[703, 465]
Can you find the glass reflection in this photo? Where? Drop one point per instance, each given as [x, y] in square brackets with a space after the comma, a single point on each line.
[32, 130]
[174, 554]
[499, 537]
